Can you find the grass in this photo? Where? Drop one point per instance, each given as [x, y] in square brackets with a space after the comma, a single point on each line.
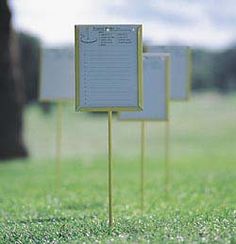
[199, 208]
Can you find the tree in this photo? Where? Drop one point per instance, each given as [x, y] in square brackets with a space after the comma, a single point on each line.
[12, 96]
[29, 48]
[225, 70]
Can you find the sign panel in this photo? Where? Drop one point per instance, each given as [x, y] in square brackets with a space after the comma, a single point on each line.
[57, 74]
[156, 70]
[180, 69]
[108, 66]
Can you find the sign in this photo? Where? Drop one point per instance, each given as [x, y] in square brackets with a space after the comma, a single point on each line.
[180, 69]
[156, 70]
[108, 61]
[57, 75]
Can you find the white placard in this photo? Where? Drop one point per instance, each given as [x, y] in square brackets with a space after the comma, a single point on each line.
[108, 67]
[57, 74]
[180, 70]
[156, 70]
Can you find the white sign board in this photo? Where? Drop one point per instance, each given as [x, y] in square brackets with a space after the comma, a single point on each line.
[156, 70]
[57, 75]
[180, 70]
[108, 61]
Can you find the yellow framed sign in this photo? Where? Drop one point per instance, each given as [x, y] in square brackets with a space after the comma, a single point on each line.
[108, 67]
[181, 69]
[156, 76]
[57, 74]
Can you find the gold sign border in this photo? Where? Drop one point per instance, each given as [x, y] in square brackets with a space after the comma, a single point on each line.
[139, 80]
[167, 85]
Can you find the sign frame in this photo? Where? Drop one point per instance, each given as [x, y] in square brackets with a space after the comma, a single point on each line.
[190, 70]
[139, 75]
[167, 94]
[40, 85]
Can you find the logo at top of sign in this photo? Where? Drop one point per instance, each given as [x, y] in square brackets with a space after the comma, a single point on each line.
[87, 39]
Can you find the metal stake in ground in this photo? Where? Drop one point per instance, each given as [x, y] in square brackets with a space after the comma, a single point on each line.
[167, 157]
[110, 167]
[142, 165]
[58, 143]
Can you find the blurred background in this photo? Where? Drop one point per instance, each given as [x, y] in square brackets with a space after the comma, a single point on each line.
[27, 26]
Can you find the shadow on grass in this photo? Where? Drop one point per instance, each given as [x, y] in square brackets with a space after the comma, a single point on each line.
[41, 220]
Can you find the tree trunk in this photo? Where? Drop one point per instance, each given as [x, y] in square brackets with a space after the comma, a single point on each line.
[11, 90]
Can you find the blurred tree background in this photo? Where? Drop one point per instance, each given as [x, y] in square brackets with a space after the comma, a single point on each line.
[214, 70]
[30, 65]
[12, 94]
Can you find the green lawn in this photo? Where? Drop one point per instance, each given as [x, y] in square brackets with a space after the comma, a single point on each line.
[199, 208]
